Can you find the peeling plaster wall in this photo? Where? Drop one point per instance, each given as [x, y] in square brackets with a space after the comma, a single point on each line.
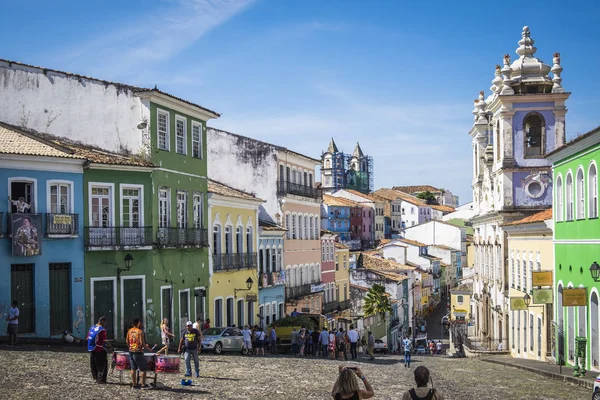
[245, 164]
[93, 112]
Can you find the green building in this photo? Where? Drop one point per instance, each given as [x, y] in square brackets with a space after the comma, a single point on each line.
[145, 224]
[576, 248]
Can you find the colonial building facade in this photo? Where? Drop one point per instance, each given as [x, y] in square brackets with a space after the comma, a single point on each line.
[514, 127]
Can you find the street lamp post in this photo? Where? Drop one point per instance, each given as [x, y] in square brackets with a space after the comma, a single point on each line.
[595, 271]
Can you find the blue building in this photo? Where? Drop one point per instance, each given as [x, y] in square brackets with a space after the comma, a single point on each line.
[41, 256]
[335, 216]
[271, 274]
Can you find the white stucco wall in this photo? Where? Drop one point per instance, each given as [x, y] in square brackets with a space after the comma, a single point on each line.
[398, 253]
[466, 211]
[245, 164]
[434, 232]
[86, 110]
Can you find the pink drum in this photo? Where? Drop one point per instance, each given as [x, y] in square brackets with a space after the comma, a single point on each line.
[167, 364]
[150, 361]
[121, 360]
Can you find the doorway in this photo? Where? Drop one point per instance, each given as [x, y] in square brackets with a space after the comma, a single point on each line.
[60, 297]
[103, 303]
[22, 286]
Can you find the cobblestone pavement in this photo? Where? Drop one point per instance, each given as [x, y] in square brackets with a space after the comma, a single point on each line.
[39, 373]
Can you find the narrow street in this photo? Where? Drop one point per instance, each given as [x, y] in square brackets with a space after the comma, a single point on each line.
[435, 329]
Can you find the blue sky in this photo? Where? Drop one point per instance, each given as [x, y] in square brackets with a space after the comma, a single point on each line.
[398, 76]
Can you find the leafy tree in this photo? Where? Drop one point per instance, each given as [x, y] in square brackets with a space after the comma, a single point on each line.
[377, 302]
[428, 197]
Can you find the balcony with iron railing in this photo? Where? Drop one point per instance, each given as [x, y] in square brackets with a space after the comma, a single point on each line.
[284, 188]
[336, 306]
[182, 237]
[117, 237]
[58, 225]
[234, 261]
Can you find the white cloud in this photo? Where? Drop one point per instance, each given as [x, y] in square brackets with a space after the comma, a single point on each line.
[153, 37]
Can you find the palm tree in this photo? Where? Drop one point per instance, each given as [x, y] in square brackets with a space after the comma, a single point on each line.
[377, 302]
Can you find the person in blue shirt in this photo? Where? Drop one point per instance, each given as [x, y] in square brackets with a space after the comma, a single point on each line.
[324, 340]
[407, 344]
[273, 340]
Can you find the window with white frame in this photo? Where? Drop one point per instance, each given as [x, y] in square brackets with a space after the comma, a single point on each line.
[164, 211]
[60, 198]
[131, 199]
[592, 191]
[288, 226]
[518, 268]
[559, 199]
[524, 274]
[316, 233]
[196, 140]
[101, 207]
[217, 239]
[180, 135]
[306, 228]
[569, 196]
[239, 240]
[250, 239]
[218, 312]
[181, 209]
[311, 227]
[163, 130]
[294, 224]
[228, 240]
[580, 193]
[300, 227]
[198, 211]
[530, 274]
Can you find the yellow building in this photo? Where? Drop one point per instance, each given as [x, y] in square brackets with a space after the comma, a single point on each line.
[233, 218]
[460, 303]
[342, 284]
[530, 249]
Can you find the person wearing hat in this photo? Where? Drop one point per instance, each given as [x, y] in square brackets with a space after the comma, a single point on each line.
[189, 344]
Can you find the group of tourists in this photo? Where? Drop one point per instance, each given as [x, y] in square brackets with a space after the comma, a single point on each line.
[255, 338]
[334, 344]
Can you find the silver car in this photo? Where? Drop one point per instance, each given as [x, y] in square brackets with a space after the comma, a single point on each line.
[223, 339]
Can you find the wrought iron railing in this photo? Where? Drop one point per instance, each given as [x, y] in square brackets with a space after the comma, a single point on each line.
[284, 188]
[294, 292]
[330, 307]
[118, 236]
[226, 262]
[62, 224]
[182, 237]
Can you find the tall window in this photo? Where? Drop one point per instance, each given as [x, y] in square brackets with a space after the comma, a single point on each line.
[524, 275]
[524, 331]
[592, 192]
[181, 209]
[101, 207]
[249, 240]
[531, 327]
[228, 240]
[288, 226]
[530, 275]
[559, 199]
[294, 224]
[219, 312]
[316, 233]
[217, 239]
[569, 196]
[306, 228]
[196, 140]
[163, 208]
[60, 196]
[198, 211]
[130, 207]
[239, 240]
[311, 227]
[240, 313]
[180, 132]
[300, 227]
[580, 193]
[163, 130]
[230, 312]
[532, 127]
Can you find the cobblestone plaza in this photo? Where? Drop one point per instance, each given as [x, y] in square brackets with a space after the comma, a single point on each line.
[37, 373]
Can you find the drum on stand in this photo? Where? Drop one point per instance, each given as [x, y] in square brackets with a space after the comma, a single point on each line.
[167, 364]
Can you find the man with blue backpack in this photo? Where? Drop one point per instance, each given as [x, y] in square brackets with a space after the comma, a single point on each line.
[96, 338]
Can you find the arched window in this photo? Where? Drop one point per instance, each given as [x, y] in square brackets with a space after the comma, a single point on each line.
[558, 209]
[239, 240]
[288, 226]
[294, 223]
[316, 234]
[228, 240]
[306, 233]
[592, 191]
[249, 239]
[580, 195]
[300, 227]
[311, 222]
[533, 129]
[217, 239]
[569, 196]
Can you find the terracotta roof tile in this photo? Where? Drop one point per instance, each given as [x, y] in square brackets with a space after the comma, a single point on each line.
[224, 190]
[339, 201]
[364, 196]
[341, 246]
[270, 226]
[377, 263]
[538, 217]
[447, 209]
[391, 194]
[417, 189]
[413, 242]
[16, 141]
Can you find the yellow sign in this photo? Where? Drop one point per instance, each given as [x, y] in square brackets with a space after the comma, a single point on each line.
[517, 303]
[424, 300]
[574, 297]
[60, 219]
[542, 278]
[542, 296]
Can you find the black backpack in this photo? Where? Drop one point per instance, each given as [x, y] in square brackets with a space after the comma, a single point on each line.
[429, 396]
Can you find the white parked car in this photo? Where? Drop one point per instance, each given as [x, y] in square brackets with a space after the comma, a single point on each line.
[596, 393]
[380, 347]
